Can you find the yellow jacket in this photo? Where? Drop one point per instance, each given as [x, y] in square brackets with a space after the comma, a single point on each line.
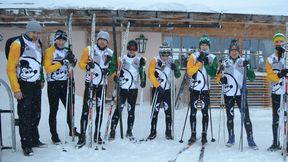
[192, 68]
[48, 60]
[151, 73]
[271, 75]
[13, 58]
[84, 59]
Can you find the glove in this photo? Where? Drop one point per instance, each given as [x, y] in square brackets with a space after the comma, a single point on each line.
[90, 65]
[206, 60]
[105, 71]
[201, 57]
[108, 59]
[70, 57]
[143, 84]
[173, 66]
[115, 79]
[280, 50]
[159, 63]
[245, 63]
[160, 91]
[142, 61]
[223, 80]
[282, 73]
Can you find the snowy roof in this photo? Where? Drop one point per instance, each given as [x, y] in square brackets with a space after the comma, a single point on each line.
[255, 7]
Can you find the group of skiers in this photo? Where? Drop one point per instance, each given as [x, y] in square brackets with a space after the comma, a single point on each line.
[24, 69]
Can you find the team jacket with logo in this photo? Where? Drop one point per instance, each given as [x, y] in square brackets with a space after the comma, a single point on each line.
[26, 67]
[99, 60]
[273, 66]
[131, 72]
[54, 69]
[233, 71]
[160, 76]
[201, 74]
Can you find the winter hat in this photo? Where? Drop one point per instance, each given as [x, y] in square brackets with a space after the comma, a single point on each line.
[132, 45]
[165, 49]
[33, 26]
[234, 46]
[279, 36]
[60, 35]
[204, 39]
[103, 35]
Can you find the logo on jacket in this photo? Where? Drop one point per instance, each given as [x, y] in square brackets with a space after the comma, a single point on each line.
[26, 72]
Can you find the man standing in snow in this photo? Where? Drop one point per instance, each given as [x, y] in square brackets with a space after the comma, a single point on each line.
[132, 70]
[26, 77]
[200, 67]
[275, 73]
[160, 69]
[56, 60]
[230, 74]
[103, 64]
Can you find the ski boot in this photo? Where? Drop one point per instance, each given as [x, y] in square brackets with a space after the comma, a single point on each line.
[251, 143]
[204, 138]
[55, 139]
[28, 151]
[111, 135]
[168, 135]
[39, 144]
[81, 142]
[152, 135]
[231, 141]
[274, 147]
[100, 141]
[192, 139]
[129, 135]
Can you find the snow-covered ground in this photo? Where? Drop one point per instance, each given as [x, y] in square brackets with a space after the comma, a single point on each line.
[158, 150]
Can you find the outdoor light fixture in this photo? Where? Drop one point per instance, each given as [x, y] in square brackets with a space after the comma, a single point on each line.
[142, 41]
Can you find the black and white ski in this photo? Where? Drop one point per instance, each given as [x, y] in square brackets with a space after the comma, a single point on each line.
[91, 55]
[181, 151]
[201, 156]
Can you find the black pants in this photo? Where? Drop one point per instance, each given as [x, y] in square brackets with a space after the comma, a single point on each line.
[162, 101]
[203, 98]
[276, 101]
[131, 97]
[229, 103]
[57, 90]
[29, 112]
[97, 91]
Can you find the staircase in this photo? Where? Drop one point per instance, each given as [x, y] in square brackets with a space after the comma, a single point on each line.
[258, 92]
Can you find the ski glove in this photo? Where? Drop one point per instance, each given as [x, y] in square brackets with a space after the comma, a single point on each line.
[160, 91]
[201, 57]
[105, 72]
[143, 84]
[142, 62]
[245, 63]
[282, 73]
[115, 79]
[223, 80]
[173, 66]
[70, 57]
[90, 65]
[206, 60]
[159, 63]
[108, 59]
[280, 50]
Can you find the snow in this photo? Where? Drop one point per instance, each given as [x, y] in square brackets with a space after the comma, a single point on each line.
[261, 7]
[158, 150]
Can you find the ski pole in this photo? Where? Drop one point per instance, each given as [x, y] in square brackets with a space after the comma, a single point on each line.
[210, 114]
[188, 107]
